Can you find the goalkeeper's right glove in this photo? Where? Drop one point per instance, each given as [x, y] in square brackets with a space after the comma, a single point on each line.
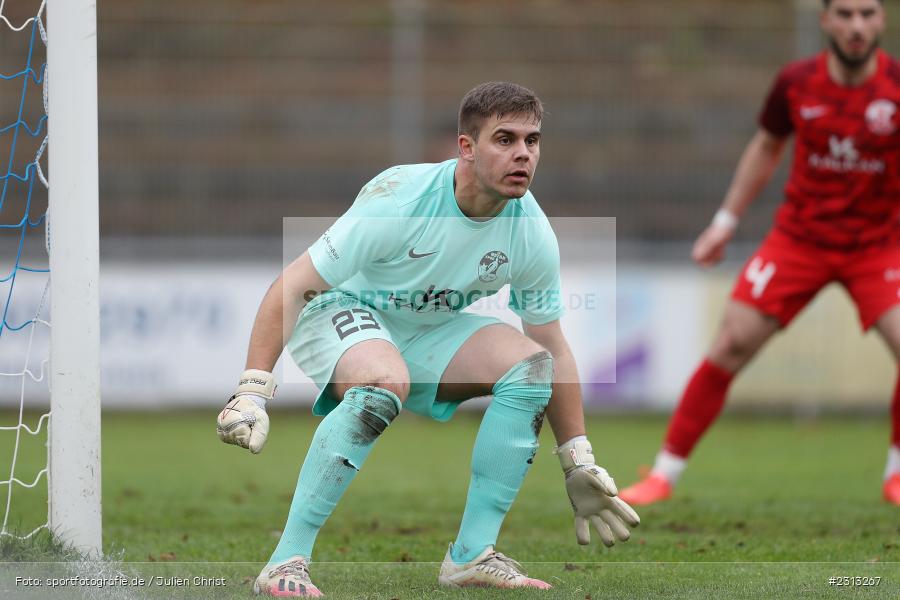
[244, 421]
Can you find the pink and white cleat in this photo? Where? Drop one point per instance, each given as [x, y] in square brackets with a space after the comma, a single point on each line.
[288, 579]
[489, 569]
[650, 490]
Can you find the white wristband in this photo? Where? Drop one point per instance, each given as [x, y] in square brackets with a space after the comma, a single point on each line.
[257, 383]
[577, 438]
[725, 219]
[575, 453]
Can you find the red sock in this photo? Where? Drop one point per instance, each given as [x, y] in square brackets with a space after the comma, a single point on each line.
[701, 403]
[895, 416]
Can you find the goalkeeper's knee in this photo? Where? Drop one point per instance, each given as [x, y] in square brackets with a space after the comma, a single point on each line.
[527, 385]
[399, 387]
[374, 408]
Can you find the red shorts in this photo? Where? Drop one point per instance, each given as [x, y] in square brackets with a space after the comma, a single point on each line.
[785, 274]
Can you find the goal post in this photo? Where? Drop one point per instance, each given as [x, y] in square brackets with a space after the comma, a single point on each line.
[74, 435]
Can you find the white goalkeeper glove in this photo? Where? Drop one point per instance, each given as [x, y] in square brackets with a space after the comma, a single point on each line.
[594, 496]
[244, 421]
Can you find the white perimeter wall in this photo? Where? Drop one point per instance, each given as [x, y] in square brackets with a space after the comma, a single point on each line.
[176, 335]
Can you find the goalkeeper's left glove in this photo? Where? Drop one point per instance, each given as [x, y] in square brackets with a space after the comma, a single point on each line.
[594, 495]
[244, 421]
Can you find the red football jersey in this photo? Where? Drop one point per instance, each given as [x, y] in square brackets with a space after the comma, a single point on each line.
[844, 185]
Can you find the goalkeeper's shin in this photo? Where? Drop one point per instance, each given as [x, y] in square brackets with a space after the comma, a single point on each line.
[504, 450]
[338, 449]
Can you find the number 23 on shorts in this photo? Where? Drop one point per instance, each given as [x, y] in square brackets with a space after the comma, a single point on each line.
[350, 321]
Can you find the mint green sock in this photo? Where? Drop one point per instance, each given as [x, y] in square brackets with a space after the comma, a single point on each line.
[338, 449]
[504, 450]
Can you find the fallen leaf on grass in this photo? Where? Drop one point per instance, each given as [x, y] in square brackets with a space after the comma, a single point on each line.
[163, 557]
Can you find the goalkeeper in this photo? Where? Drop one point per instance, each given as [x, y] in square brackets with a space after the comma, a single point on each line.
[372, 312]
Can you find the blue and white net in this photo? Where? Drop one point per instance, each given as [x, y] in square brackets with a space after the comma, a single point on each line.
[24, 275]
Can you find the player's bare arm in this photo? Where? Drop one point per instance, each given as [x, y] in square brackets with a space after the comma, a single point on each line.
[279, 309]
[754, 170]
[244, 421]
[565, 412]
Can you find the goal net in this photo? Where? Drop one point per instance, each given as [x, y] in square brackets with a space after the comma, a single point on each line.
[49, 330]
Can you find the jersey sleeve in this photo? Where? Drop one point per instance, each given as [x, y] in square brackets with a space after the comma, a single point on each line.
[775, 116]
[535, 288]
[365, 234]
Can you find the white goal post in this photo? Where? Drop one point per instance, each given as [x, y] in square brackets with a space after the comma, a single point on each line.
[74, 436]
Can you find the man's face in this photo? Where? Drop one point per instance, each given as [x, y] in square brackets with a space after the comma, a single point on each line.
[853, 28]
[505, 155]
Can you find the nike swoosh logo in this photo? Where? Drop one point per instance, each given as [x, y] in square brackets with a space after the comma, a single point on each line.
[412, 254]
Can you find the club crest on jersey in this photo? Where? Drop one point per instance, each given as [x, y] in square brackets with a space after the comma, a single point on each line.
[490, 265]
[880, 117]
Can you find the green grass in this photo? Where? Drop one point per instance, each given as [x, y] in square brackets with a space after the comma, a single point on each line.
[769, 508]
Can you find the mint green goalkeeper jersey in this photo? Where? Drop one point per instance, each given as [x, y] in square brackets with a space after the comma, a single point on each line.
[407, 250]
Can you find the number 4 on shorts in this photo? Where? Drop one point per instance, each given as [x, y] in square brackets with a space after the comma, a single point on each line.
[759, 275]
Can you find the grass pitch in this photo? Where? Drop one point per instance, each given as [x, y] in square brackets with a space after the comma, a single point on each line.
[769, 508]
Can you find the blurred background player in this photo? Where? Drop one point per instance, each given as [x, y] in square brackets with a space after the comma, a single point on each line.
[839, 222]
[381, 293]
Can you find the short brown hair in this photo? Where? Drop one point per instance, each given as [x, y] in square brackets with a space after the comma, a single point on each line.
[827, 3]
[496, 98]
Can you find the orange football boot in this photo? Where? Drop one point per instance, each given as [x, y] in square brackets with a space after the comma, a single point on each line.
[656, 488]
[891, 489]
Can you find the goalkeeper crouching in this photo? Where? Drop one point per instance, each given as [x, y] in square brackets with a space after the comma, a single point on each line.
[372, 312]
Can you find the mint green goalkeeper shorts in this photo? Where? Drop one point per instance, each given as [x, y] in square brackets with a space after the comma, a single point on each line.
[336, 321]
